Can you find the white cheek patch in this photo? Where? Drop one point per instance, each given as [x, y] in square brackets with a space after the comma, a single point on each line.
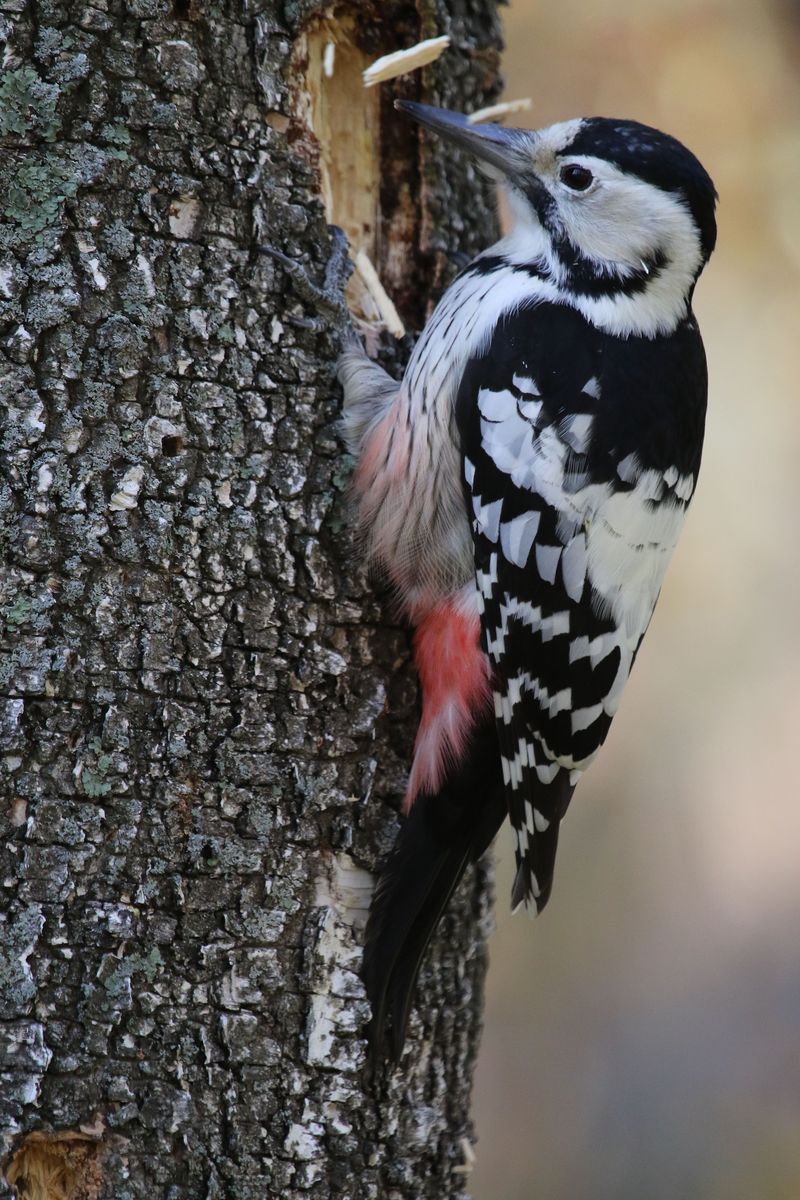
[620, 225]
[623, 219]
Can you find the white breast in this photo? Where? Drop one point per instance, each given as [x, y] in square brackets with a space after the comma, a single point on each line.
[430, 532]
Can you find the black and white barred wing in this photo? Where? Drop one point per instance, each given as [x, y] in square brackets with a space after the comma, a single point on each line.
[572, 533]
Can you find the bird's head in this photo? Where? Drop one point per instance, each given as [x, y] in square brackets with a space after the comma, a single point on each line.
[611, 206]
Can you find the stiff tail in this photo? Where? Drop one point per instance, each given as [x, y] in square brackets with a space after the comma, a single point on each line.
[536, 813]
[443, 833]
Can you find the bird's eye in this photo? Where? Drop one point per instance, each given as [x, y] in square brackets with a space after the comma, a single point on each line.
[576, 177]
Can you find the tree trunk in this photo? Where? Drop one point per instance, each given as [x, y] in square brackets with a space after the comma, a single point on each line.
[205, 707]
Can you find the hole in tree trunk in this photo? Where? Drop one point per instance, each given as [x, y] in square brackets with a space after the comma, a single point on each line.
[171, 445]
[367, 154]
[55, 1166]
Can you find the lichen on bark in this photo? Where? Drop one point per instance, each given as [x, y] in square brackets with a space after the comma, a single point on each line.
[204, 704]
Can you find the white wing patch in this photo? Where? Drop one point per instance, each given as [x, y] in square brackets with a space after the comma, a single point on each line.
[547, 560]
[582, 718]
[487, 579]
[513, 770]
[524, 383]
[530, 409]
[574, 564]
[487, 517]
[497, 406]
[577, 431]
[616, 540]
[540, 822]
[517, 535]
[684, 487]
[628, 468]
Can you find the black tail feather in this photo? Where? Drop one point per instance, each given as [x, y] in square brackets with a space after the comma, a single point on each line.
[409, 961]
[443, 833]
[551, 801]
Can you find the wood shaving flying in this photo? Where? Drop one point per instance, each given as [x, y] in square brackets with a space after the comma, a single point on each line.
[403, 61]
[493, 111]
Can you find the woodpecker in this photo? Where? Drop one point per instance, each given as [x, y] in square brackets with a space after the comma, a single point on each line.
[523, 488]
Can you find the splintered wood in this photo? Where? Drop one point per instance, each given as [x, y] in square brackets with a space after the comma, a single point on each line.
[330, 75]
[329, 99]
[377, 291]
[401, 62]
[56, 1166]
[493, 111]
[329, 59]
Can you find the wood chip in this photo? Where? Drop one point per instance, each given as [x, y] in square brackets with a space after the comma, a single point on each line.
[470, 1158]
[328, 59]
[403, 61]
[499, 110]
[379, 295]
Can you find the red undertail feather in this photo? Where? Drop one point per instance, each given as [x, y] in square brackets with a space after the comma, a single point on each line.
[454, 675]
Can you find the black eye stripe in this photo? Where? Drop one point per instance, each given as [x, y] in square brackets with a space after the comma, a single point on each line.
[576, 177]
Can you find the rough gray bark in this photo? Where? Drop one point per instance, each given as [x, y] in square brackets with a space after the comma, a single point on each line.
[198, 686]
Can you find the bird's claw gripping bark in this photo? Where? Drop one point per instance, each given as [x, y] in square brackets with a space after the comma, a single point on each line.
[328, 300]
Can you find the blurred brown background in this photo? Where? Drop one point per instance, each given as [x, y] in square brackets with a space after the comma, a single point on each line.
[643, 1037]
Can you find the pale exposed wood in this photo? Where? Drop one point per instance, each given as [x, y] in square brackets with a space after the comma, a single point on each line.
[57, 1166]
[331, 100]
[379, 294]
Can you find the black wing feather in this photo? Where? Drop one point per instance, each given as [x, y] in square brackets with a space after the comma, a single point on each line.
[552, 408]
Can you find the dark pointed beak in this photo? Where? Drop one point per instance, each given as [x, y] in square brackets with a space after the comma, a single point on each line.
[503, 149]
